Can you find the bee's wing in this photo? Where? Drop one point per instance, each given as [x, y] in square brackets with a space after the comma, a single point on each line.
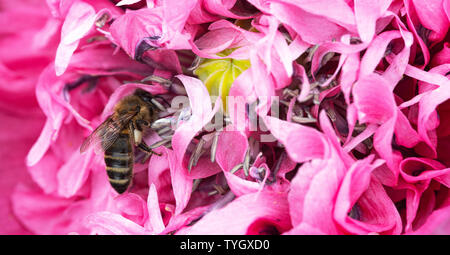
[106, 134]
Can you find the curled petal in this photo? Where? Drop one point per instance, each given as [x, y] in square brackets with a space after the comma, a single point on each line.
[374, 99]
[107, 223]
[437, 223]
[269, 208]
[433, 17]
[302, 143]
[366, 14]
[155, 222]
[231, 148]
[181, 183]
[225, 8]
[312, 194]
[202, 112]
[420, 169]
[152, 28]
[70, 181]
[356, 210]
[132, 207]
[311, 27]
[240, 186]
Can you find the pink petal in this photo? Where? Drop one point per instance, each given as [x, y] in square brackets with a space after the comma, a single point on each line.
[79, 21]
[261, 75]
[438, 223]
[373, 99]
[305, 229]
[274, 50]
[200, 15]
[399, 62]
[305, 87]
[231, 148]
[419, 169]
[107, 223]
[26, 131]
[85, 60]
[446, 7]
[132, 207]
[428, 77]
[129, 39]
[165, 60]
[181, 183]
[59, 8]
[40, 147]
[202, 113]
[127, 2]
[218, 40]
[404, 133]
[428, 203]
[443, 56]
[366, 14]
[235, 218]
[47, 214]
[302, 143]
[155, 221]
[382, 143]
[125, 90]
[180, 222]
[420, 201]
[24, 203]
[312, 28]
[159, 175]
[223, 8]
[70, 181]
[433, 17]
[413, 23]
[357, 194]
[242, 88]
[336, 11]
[240, 186]
[161, 26]
[312, 194]
[427, 120]
[376, 51]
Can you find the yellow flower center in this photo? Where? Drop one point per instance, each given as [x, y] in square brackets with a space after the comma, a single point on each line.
[219, 74]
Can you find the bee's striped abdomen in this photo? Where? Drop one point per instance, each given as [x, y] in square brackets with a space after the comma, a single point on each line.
[119, 162]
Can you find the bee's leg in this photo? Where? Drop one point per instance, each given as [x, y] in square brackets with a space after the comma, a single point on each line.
[144, 147]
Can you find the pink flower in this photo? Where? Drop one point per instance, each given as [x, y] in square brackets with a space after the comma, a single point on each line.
[273, 117]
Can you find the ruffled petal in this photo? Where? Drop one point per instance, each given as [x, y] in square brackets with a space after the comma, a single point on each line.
[78, 22]
[157, 27]
[107, 223]
[236, 219]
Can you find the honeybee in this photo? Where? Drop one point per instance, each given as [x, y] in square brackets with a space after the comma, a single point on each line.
[116, 136]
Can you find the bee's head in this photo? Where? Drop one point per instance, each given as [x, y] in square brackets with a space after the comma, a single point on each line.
[144, 95]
